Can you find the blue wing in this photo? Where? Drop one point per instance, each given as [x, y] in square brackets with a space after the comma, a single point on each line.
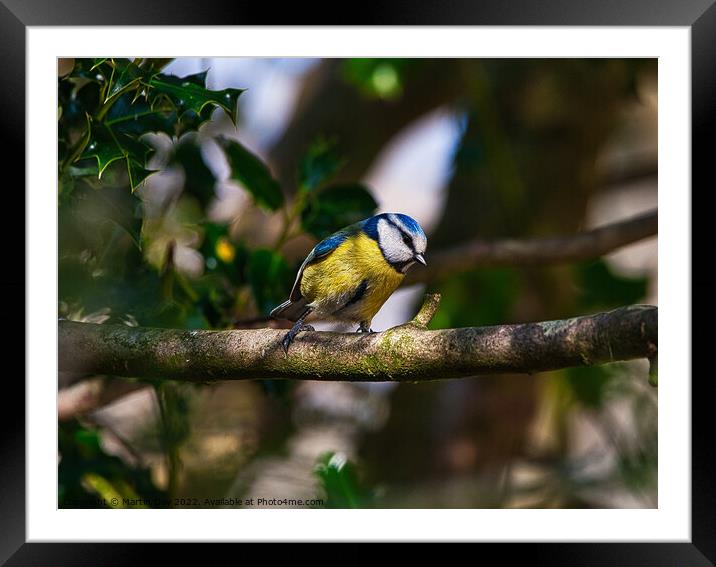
[295, 306]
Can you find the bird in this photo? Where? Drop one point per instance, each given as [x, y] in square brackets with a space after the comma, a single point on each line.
[349, 275]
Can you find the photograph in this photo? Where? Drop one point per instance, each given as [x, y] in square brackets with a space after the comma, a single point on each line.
[357, 282]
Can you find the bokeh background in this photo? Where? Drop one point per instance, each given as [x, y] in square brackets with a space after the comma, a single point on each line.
[470, 148]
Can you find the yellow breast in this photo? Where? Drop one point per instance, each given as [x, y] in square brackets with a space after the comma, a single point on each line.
[330, 282]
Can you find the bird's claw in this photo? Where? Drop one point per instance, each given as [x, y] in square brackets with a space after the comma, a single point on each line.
[286, 342]
[291, 335]
[363, 329]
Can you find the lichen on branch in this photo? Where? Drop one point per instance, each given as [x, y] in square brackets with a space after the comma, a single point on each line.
[408, 352]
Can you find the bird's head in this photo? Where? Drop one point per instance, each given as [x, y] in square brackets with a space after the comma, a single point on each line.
[400, 238]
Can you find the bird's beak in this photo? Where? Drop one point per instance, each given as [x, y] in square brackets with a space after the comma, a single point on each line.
[419, 258]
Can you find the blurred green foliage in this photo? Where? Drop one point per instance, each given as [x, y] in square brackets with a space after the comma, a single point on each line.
[378, 77]
[463, 301]
[118, 259]
[320, 163]
[108, 107]
[339, 480]
[601, 288]
[254, 176]
[335, 207]
[90, 478]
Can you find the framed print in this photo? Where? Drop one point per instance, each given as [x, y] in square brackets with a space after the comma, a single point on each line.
[394, 279]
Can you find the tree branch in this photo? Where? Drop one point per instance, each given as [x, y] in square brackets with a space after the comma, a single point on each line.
[409, 352]
[89, 395]
[542, 251]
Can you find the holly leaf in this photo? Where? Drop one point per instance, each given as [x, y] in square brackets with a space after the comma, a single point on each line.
[94, 70]
[190, 94]
[136, 117]
[97, 61]
[336, 207]
[106, 147]
[125, 74]
[252, 173]
[137, 173]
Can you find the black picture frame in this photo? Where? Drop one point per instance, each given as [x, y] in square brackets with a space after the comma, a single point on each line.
[699, 15]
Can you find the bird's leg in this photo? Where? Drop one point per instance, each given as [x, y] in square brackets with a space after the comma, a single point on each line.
[365, 327]
[298, 326]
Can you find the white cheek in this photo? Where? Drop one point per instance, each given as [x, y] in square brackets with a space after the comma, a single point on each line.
[420, 245]
[391, 241]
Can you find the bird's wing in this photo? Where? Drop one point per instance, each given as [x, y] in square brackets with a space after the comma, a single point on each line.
[321, 250]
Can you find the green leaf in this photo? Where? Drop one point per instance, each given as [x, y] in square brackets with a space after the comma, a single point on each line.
[190, 94]
[199, 179]
[107, 146]
[339, 480]
[377, 78]
[269, 276]
[79, 147]
[601, 287]
[138, 117]
[97, 61]
[654, 371]
[124, 209]
[459, 309]
[156, 63]
[336, 207]
[137, 173]
[589, 383]
[223, 254]
[94, 70]
[320, 164]
[86, 472]
[125, 75]
[252, 173]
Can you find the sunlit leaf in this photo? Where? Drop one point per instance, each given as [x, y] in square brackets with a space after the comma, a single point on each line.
[340, 483]
[107, 146]
[125, 75]
[96, 70]
[189, 94]
[97, 61]
[90, 478]
[379, 78]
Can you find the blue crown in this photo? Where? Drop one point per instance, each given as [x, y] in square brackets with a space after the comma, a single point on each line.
[370, 225]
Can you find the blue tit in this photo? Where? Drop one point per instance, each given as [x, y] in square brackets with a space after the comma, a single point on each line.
[349, 275]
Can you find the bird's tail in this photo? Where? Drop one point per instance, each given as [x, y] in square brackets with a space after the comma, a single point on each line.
[291, 310]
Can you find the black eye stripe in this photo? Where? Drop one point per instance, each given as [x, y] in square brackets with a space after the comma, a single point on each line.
[407, 239]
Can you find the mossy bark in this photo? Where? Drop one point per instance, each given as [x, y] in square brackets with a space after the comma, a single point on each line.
[409, 352]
